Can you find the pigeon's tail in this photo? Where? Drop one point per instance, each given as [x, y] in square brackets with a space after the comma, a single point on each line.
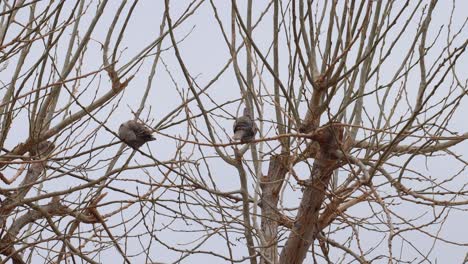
[238, 135]
[149, 138]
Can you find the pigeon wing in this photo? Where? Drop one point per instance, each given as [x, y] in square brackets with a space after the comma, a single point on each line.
[244, 129]
[140, 130]
[242, 123]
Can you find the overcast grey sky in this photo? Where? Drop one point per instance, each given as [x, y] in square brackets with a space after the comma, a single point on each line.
[205, 53]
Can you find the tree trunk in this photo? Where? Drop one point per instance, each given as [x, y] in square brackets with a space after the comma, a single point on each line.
[305, 228]
[271, 186]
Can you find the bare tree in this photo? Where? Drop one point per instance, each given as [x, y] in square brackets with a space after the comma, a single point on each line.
[354, 150]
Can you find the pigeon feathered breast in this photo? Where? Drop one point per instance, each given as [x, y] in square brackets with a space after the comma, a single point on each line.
[135, 134]
[244, 127]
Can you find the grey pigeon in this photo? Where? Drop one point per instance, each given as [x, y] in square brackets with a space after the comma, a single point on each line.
[135, 134]
[244, 127]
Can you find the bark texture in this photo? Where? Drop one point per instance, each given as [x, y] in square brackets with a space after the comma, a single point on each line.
[306, 225]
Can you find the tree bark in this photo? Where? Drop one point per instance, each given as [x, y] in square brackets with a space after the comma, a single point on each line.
[305, 228]
[271, 186]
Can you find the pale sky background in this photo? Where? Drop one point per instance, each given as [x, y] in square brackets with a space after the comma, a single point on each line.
[205, 53]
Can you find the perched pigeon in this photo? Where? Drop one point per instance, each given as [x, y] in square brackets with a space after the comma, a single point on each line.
[244, 127]
[135, 134]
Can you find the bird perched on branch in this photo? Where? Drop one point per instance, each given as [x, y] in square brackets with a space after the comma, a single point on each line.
[244, 127]
[330, 137]
[135, 134]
